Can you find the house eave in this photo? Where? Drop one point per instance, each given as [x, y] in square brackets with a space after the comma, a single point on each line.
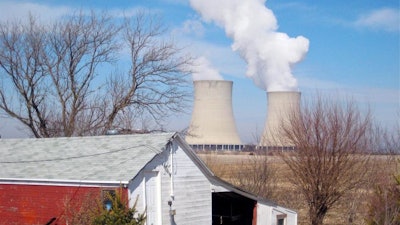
[216, 181]
[58, 182]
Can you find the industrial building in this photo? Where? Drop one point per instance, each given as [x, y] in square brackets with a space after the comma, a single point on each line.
[280, 107]
[213, 126]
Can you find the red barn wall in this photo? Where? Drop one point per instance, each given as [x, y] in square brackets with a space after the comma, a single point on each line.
[38, 204]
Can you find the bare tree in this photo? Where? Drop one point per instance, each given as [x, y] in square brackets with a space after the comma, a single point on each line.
[50, 76]
[330, 140]
[49, 72]
[154, 84]
[75, 48]
[384, 201]
[23, 84]
[257, 175]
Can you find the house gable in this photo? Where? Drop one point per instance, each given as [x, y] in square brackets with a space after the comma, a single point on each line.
[182, 184]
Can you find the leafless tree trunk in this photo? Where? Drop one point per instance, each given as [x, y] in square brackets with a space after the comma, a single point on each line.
[331, 140]
[49, 75]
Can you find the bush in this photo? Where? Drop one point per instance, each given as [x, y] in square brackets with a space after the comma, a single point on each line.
[384, 205]
[91, 210]
[119, 213]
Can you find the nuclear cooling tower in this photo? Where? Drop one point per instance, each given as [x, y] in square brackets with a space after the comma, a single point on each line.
[281, 105]
[212, 117]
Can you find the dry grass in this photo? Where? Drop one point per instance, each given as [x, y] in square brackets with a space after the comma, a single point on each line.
[350, 210]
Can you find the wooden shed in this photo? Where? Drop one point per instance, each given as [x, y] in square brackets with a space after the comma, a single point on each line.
[171, 184]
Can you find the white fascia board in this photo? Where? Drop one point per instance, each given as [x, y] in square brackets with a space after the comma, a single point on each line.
[217, 188]
[284, 210]
[55, 182]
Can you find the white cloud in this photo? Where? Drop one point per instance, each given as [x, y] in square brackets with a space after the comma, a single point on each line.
[386, 19]
[222, 57]
[253, 29]
[190, 27]
[132, 12]
[12, 11]
[20, 11]
[203, 70]
[194, 26]
[218, 54]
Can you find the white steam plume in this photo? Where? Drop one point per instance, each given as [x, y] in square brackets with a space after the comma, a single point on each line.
[203, 70]
[253, 27]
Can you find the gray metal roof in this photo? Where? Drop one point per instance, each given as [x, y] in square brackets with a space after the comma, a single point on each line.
[96, 158]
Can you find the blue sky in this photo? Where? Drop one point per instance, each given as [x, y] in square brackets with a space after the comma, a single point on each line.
[353, 50]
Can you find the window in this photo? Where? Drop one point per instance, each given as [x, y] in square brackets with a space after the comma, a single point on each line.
[281, 219]
[107, 196]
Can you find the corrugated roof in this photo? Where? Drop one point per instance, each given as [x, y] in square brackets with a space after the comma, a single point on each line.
[96, 158]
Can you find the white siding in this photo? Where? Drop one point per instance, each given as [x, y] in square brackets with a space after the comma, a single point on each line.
[191, 189]
[153, 198]
[268, 215]
[291, 216]
[192, 195]
[264, 214]
[138, 187]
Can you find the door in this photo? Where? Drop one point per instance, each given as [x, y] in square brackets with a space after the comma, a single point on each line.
[152, 193]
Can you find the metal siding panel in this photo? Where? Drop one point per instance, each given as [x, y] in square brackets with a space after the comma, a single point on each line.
[152, 189]
[137, 193]
[192, 192]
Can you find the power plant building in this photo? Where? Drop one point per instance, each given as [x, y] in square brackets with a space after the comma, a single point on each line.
[213, 125]
[280, 107]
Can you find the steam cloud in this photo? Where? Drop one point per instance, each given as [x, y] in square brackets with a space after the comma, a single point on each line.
[203, 70]
[253, 27]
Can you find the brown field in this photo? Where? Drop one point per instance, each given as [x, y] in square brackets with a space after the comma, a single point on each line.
[352, 209]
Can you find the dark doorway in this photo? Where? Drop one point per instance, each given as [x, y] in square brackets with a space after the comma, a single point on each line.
[229, 208]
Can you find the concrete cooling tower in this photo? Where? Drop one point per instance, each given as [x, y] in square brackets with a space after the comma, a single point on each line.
[280, 106]
[213, 124]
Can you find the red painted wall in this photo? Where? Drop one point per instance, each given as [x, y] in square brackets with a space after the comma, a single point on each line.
[38, 204]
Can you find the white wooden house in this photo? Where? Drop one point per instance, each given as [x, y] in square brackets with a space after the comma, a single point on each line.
[166, 177]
